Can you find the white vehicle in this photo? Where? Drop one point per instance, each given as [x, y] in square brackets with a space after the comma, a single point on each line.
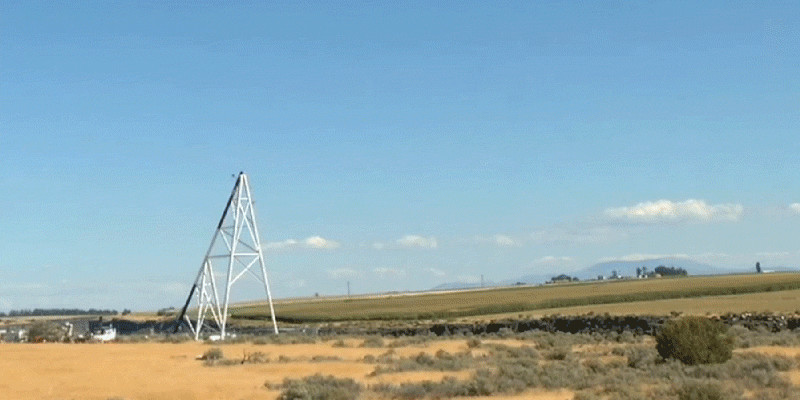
[105, 333]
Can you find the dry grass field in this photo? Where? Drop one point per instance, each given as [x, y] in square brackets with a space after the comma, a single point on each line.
[782, 302]
[531, 365]
[166, 371]
[538, 367]
[523, 299]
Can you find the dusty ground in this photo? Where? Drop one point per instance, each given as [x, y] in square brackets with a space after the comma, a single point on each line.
[156, 371]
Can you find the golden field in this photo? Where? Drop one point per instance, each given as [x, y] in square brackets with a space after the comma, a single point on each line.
[166, 371]
[162, 371]
[543, 299]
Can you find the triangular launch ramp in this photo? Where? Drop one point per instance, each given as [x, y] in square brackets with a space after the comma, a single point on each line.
[235, 253]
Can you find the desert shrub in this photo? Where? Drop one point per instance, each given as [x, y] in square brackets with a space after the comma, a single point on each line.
[701, 391]
[639, 357]
[320, 358]
[373, 341]
[415, 340]
[594, 365]
[586, 395]
[442, 361]
[177, 338]
[558, 353]
[319, 387]
[214, 353]
[339, 343]
[260, 340]
[46, 331]
[762, 336]
[501, 351]
[695, 340]
[473, 343]
[256, 357]
[446, 388]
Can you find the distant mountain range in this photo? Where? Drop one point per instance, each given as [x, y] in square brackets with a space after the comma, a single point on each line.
[623, 268]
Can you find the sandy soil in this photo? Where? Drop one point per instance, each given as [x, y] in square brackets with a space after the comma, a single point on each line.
[157, 371]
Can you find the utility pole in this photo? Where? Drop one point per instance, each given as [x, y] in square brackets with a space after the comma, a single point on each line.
[348, 289]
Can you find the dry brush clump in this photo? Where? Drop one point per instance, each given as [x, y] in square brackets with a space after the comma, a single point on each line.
[441, 361]
[695, 340]
[318, 387]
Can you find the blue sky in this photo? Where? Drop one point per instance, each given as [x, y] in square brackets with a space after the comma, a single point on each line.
[395, 146]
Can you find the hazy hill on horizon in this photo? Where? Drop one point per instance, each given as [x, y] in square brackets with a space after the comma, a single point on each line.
[626, 268]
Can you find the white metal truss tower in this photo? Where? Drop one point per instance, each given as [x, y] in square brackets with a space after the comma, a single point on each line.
[236, 249]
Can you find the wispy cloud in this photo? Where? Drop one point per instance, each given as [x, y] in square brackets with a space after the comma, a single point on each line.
[318, 242]
[311, 242]
[499, 240]
[282, 244]
[577, 235]
[340, 273]
[660, 211]
[385, 272]
[436, 272]
[795, 207]
[642, 257]
[410, 241]
[553, 260]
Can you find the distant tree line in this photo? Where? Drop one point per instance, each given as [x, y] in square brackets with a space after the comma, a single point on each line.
[670, 271]
[564, 278]
[42, 312]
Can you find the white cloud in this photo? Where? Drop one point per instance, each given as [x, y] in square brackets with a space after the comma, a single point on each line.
[311, 242]
[418, 241]
[340, 273]
[388, 272]
[795, 207]
[318, 242]
[499, 240]
[505, 241]
[282, 244]
[378, 246]
[436, 271]
[670, 211]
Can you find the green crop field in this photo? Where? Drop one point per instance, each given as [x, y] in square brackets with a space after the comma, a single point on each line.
[516, 299]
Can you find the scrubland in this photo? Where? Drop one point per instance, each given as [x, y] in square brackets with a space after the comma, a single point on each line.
[533, 365]
[506, 365]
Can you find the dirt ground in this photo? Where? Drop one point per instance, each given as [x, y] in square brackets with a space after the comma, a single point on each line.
[157, 371]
